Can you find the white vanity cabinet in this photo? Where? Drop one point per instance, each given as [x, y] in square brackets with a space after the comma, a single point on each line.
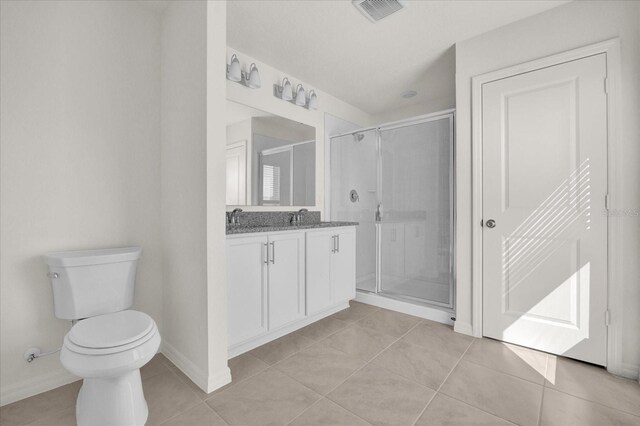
[247, 287]
[331, 268]
[285, 283]
[281, 281]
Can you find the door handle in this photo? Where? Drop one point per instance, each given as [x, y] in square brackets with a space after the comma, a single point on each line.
[333, 244]
[266, 250]
[491, 223]
[273, 252]
[338, 243]
[379, 213]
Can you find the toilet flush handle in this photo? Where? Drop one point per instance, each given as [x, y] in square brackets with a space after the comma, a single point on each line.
[53, 275]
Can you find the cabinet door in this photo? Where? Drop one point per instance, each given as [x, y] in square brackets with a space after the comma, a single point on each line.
[286, 278]
[318, 267]
[343, 270]
[247, 276]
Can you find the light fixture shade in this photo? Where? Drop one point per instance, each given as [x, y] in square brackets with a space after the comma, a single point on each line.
[313, 100]
[234, 73]
[301, 96]
[254, 77]
[287, 90]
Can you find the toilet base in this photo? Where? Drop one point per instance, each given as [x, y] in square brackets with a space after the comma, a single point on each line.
[109, 401]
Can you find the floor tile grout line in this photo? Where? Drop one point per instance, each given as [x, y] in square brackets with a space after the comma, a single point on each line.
[459, 400]
[305, 410]
[544, 387]
[594, 402]
[541, 406]
[274, 366]
[212, 394]
[454, 367]
[191, 408]
[368, 363]
[306, 347]
[347, 325]
[442, 383]
[504, 373]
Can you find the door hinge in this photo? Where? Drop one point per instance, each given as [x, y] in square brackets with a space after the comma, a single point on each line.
[606, 85]
[607, 201]
[607, 317]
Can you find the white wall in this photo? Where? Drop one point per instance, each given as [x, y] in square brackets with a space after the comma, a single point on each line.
[218, 372]
[432, 105]
[80, 163]
[187, 230]
[567, 27]
[264, 100]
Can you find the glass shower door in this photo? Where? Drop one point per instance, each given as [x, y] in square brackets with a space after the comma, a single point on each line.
[415, 231]
[354, 196]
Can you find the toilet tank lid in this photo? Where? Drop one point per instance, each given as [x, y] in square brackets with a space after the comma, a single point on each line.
[92, 257]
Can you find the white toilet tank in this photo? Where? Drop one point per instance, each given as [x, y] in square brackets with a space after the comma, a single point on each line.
[87, 283]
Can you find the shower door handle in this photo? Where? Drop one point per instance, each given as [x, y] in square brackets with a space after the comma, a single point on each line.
[379, 213]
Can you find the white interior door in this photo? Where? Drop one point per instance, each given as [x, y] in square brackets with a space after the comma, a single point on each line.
[237, 174]
[544, 186]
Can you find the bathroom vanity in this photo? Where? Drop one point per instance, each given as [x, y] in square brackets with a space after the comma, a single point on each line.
[284, 277]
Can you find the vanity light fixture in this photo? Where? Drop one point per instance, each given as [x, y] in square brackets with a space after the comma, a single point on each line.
[313, 100]
[249, 79]
[301, 96]
[286, 93]
[234, 73]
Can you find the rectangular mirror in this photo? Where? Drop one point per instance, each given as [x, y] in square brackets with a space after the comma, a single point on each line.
[271, 160]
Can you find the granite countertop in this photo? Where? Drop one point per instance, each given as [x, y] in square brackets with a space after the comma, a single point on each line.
[245, 229]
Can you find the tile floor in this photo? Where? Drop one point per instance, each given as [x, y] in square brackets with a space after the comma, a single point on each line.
[370, 366]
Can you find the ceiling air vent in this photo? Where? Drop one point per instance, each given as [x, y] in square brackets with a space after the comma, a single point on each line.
[375, 10]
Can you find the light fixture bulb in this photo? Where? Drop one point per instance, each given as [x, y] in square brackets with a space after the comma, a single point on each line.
[313, 100]
[301, 96]
[287, 90]
[254, 77]
[234, 73]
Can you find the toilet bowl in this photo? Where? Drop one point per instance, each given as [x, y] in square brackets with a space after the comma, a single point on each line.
[107, 351]
[108, 342]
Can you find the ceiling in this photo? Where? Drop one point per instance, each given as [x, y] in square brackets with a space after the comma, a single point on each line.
[331, 46]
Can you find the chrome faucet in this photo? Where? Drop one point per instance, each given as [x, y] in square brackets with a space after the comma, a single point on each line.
[232, 217]
[296, 218]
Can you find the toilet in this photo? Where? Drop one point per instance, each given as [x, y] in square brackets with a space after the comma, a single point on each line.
[108, 342]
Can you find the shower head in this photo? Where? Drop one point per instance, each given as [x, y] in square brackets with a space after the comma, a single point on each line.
[357, 137]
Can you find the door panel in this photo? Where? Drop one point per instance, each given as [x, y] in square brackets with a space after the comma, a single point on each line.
[237, 174]
[319, 248]
[286, 279]
[544, 184]
[354, 170]
[343, 268]
[247, 271]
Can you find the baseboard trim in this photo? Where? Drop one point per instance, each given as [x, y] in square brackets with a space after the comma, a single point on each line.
[240, 348]
[184, 364]
[463, 328]
[219, 379]
[35, 386]
[630, 371]
[421, 311]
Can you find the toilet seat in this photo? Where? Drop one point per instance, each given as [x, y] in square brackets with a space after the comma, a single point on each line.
[110, 333]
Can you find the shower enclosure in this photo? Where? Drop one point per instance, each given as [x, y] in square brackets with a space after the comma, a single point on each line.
[396, 180]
